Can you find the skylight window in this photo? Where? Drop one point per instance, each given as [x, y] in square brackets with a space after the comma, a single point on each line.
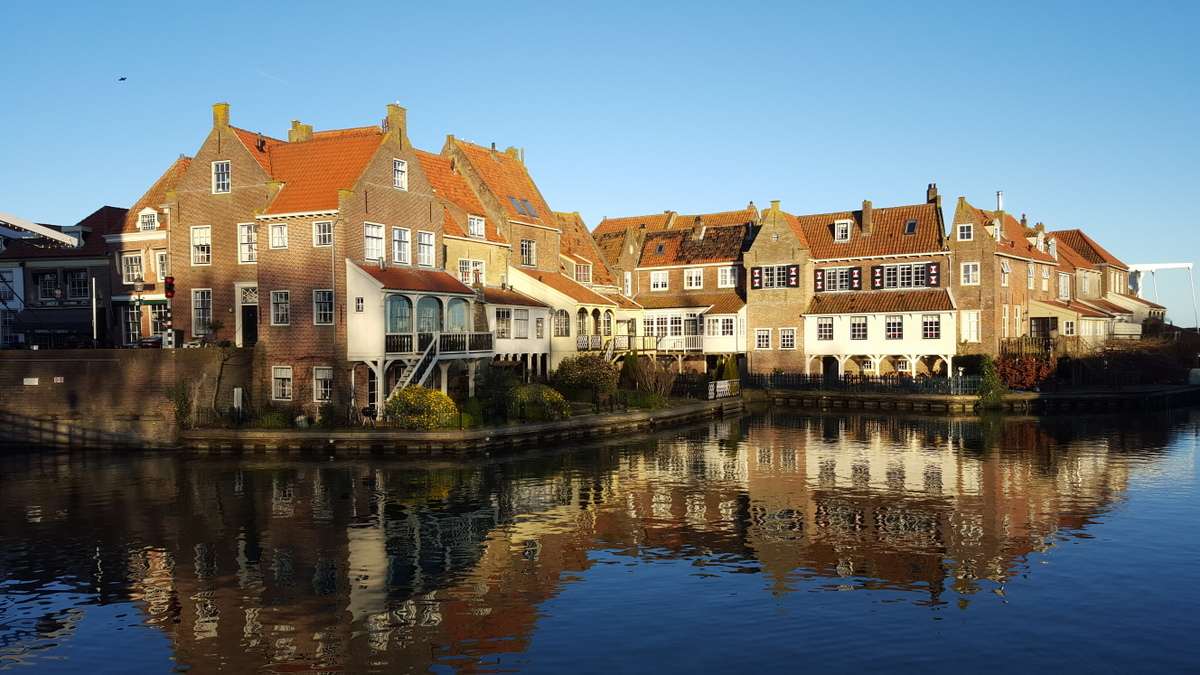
[517, 205]
[910, 227]
[529, 208]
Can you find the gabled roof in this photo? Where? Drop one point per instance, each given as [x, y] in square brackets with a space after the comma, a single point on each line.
[622, 301]
[672, 220]
[1068, 258]
[651, 223]
[611, 245]
[871, 302]
[1013, 241]
[887, 235]
[507, 296]
[790, 220]
[102, 221]
[744, 216]
[262, 155]
[1108, 306]
[451, 188]
[506, 177]
[1080, 308]
[682, 247]
[568, 287]
[313, 171]
[400, 278]
[723, 302]
[156, 195]
[1088, 248]
[576, 243]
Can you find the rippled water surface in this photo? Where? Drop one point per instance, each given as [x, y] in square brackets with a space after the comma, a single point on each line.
[777, 542]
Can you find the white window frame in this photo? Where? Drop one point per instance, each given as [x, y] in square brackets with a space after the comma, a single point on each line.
[148, 217]
[317, 234]
[1030, 274]
[476, 226]
[760, 333]
[1004, 318]
[422, 250]
[864, 322]
[207, 257]
[660, 280]
[1069, 327]
[934, 320]
[841, 231]
[787, 339]
[279, 242]
[888, 321]
[320, 396]
[250, 243]
[629, 284]
[86, 291]
[688, 274]
[162, 263]
[402, 245]
[1045, 277]
[520, 324]
[1018, 325]
[141, 268]
[1064, 286]
[399, 174]
[970, 325]
[727, 277]
[528, 253]
[503, 323]
[217, 188]
[280, 373]
[207, 326]
[332, 307]
[1005, 270]
[131, 324]
[583, 273]
[969, 231]
[969, 274]
[283, 299]
[471, 266]
[373, 234]
[727, 326]
[836, 278]
[825, 328]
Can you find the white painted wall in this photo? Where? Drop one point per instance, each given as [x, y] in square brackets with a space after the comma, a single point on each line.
[364, 330]
[530, 345]
[876, 342]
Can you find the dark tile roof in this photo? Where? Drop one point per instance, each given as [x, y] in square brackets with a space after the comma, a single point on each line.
[680, 247]
[507, 296]
[410, 279]
[1088, 248]
[729, 301]
[873, 302]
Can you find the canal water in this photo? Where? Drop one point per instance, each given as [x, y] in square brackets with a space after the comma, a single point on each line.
[775, 542]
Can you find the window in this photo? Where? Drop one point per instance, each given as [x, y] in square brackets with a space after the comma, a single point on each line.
[529, 208]
[247, 243]
[970, 274]
[539, 327]
[220, 177]
[359, 304]
[902, 366]
[148, 221]
[693, 278]
[858, 328]
[399, 174]
[322, 384]
[503, 323]
[727, 326]
[677, 325]
[841, 230]
[836, 278]
[775, 276]
[659, 281]
[323, 307]
[1005, 268]
[1064, 286]
[373, 241]
[132, 323]
[1029, 273]
[893, 327]
[787, 338]
[475, 226]
[470, 271]
[201, 245]
[910, 227]
[517, 205]
[583, 273]
[931, 326]
[762, 338]
[1068, 328]
[726, 277]
[970, 325]
[278, 235]
[521, 324]
[562, 323]
[825, 328]
[281, 383]
[162, 264]
[1045, 277]
[1087, 284]
[77, 285]
[201, 311]
[608, 322]
[1019, 327]
[158, 319]
[6, 286]
[323, 233]
[281, 308]
[131, 268]
[867, 365]
[1004, 316]
[629, 284]
[47, 283]
[966, 232]
[401, 246]
[528, 252]
[425, 256]
[903, 276]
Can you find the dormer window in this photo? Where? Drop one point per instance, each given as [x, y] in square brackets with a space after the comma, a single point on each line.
[475, 226]
[583, 273]
[658, 250]
[841, 231]
[1041, 242]
[399, 174]
[148, 220]
[910, 227]
[1054, 249]
[221, 177]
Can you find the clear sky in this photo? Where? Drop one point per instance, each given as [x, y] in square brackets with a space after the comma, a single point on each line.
[1084, 115]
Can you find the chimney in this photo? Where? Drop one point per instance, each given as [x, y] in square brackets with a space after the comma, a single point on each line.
[1000, 200]
[866, 216]
[931, 194]
[397, 118]
[300, 132]
[1040, 227]
[220, 115]
[260, 142]
[1024, 222]
[775, 206]
[698, 228]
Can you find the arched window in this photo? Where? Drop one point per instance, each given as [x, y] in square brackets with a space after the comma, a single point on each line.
[562, 323]
[399, 314]
[608, 322]
[429, 315]
[456, 315]
[595, 322]
[582, 320]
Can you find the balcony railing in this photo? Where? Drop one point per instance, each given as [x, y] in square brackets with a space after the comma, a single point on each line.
[643, 343]
[589, 343]
[681, 343]
[460, 342]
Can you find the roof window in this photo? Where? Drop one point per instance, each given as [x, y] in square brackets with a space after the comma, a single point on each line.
[911, 226]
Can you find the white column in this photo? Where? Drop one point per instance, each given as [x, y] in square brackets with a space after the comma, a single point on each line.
[841, 361]
[912, 365]
[807, 361]
[380, 388]
[444, 367]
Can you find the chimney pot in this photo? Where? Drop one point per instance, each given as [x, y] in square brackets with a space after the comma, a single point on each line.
[220, 112]
[931, 194]
[999, 200]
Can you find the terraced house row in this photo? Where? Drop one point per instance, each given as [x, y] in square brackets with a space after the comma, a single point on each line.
[356, 263]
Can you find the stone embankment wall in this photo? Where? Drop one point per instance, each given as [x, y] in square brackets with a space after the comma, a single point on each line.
[110, 397]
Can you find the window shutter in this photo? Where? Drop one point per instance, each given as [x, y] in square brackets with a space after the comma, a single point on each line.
[793, 276]
[856, 278]
[755, 277]
[876, 277]
[818, 280]
[933, 274]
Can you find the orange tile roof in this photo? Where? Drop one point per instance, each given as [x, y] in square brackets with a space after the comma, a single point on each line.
[566, 286]
[887, 232]
[401, 278]
[794, 223]
[679, 247]
[1088, 248]
[1013, 241]
[874, 302]
[507, 179]
[1077, 307]
[652, 223]
[156, 195]
[102, 221]
[727, 301]
[507, 296]
[313, 171]
[1068, 258]
[577, 243]
[250, 140]
[611, 245]
[720, 218]
[671, 220]
[451, 187]
[622, 301]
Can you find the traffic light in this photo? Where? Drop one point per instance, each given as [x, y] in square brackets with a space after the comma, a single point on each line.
[169, 287]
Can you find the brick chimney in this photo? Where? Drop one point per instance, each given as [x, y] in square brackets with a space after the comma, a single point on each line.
[867, 217]
[931, 194]
[397, 119]
[1024, 222]
[220, 115]
[300, 132]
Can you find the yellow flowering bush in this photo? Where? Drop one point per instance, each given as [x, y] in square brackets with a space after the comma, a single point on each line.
[416, 407]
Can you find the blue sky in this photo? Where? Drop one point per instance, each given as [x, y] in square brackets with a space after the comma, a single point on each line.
[1084, 115]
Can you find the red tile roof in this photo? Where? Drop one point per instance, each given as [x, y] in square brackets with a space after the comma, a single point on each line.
[250, 140]
[1068, 258]
[1012, 233]
[577, 243]
[401, 278]
[1088, 248]
[611, 245]
[568, 287]
[156, 195]
[102, 221]
[1077, 307]
[622, 301]
[313, 171]
[887, 232]
[507, 296]
[1108, 306]
[872, 302]
[720, 218]
[652, 223]
[728, 301]
[505, 176]
[680, 247]
[452, 188]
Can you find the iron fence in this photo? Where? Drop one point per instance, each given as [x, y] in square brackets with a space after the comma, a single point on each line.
[966, 384]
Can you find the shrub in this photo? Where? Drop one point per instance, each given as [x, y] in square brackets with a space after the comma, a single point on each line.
[991, 389]
[585, 375]
[492, 392]
[654, 377]
[1025, 371]
[330, 416]
[628, 378]
[416, 407]
[538, 403]
[273, 419]
[646, 400]
[730, 371]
